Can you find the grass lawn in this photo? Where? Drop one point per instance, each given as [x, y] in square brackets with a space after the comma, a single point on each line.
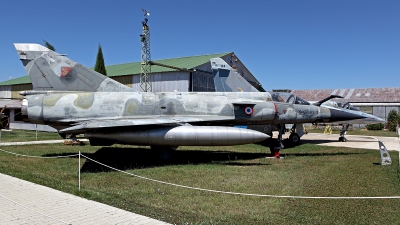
[305, 170]
[27, 135]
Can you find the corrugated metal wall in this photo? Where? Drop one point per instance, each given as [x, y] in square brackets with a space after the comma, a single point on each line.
[5, 91]
[379, 111]
[127, 80]
[168, 82]
[390, 108]
[202, 82]
[15, 89]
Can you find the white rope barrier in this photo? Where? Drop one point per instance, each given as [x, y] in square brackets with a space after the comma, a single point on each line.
[34, 210]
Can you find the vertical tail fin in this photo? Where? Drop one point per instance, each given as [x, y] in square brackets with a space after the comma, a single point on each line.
[228, 80]
[49, 70]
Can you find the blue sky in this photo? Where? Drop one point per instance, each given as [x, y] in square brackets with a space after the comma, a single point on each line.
[321, 44]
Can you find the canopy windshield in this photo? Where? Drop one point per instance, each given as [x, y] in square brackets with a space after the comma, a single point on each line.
[288, 98]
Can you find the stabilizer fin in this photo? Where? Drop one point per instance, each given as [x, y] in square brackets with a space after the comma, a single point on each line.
[49, 70]
[227, 79]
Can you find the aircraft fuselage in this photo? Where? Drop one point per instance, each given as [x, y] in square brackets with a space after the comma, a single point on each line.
[58, 108]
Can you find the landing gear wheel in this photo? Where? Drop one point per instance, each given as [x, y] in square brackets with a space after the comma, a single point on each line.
[294, 138]
[342, 139]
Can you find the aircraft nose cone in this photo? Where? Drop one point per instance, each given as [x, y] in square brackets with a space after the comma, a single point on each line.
[381, 120]
[344, 115]
[375, 119]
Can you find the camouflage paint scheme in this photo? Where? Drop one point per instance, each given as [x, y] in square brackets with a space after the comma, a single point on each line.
[74, 99]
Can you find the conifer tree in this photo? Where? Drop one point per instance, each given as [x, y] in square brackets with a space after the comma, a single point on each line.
[393, 119]
[100, 67]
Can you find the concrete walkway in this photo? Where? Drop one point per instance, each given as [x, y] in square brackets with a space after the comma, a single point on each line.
[353, 141]
[23, 202]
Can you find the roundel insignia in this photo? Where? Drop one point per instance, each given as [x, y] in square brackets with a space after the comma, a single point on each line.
[248, 111]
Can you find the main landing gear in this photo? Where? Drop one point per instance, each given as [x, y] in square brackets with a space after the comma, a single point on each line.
[71, 139]
[342, 138]
[294, 138]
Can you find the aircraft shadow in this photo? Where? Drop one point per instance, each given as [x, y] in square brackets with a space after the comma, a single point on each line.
[137, 158]
[65, 154]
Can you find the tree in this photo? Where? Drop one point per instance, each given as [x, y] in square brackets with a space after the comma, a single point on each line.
[100, 67]
[393, 118]
[49, 46]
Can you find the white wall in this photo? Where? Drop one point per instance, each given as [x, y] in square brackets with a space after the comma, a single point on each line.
[29, 126]
[165, 82]
[5, 91]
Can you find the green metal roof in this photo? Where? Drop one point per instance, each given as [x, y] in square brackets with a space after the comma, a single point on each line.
[19, 80]
[184, 62]
[189, 62]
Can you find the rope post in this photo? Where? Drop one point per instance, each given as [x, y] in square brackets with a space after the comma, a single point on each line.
[36, 131]
[79, 171]
[398, 132]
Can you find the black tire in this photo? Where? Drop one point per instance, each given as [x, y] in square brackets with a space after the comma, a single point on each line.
[342, 139]
[294, 138]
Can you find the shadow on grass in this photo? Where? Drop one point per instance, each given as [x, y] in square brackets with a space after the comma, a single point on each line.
[136, 158]
[272, 142]
[65, 154]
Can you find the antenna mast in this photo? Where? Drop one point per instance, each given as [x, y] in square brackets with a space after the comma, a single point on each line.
[145, 82]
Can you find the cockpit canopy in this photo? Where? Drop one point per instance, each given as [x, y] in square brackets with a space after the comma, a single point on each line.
[346, 105]
[288, 98]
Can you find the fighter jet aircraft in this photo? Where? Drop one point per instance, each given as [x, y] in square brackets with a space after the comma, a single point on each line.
[77, 100]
